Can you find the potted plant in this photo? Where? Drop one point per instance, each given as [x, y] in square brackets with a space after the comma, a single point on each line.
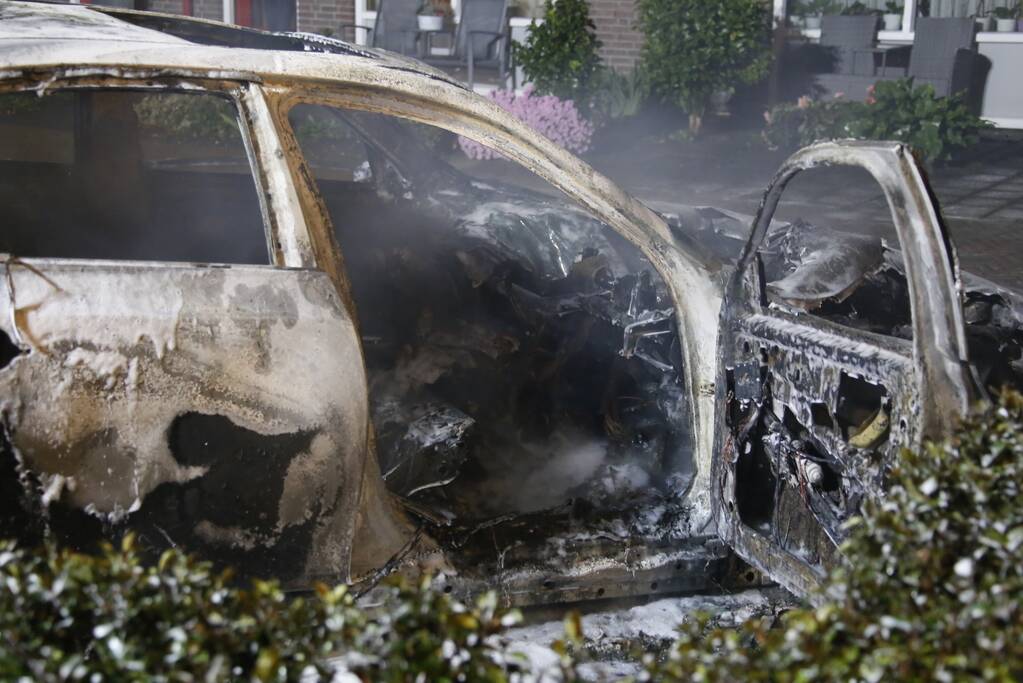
[430, 16]
[858, 9]
[796, 13]
[983, 20]
[892, 16]
[815, 9]
[1005, 18]
[733, 48]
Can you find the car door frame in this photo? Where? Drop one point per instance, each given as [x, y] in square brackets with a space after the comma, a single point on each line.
[293, 247]
[941, 389]
[695, 282]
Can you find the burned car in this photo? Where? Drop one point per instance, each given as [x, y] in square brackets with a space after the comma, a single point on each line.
[250, 310]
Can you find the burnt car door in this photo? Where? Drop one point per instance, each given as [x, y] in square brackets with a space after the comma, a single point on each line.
[816, 395]
[164, 371]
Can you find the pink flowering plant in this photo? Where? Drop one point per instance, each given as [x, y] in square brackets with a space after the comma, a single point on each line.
[556, 119]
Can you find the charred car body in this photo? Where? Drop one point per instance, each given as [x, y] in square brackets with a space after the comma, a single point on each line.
[249, 312]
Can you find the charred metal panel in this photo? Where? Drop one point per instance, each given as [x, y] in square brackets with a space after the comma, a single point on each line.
[214, 408]
[399, 88]
[839, 396]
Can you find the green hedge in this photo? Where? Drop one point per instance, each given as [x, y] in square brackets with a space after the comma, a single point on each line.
[65, 616]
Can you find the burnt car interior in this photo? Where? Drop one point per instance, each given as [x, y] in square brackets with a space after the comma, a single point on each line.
[524, 367]
[819, 385]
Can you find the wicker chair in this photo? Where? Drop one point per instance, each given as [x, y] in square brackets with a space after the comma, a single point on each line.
[482, 39]
[944, 54]
[850, 39]
[396, 27]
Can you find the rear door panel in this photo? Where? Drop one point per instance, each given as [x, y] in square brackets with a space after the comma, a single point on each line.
[222, 409]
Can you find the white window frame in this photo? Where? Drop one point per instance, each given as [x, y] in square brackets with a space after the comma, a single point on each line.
[905, 34]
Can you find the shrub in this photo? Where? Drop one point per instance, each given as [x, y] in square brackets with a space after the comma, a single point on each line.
[934, 127]
[934, 590]
[696, 48]
[618, 96]
[66, 616]
[560, 55]
[189, 117]
[557, 119]
[791, 126]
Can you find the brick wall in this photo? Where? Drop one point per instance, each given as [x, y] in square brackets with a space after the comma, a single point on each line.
[317, 15]
[615, 21]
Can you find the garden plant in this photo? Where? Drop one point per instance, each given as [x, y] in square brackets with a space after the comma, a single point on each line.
[934, 127]
[695, 49]
[557, 119]
[560, 55]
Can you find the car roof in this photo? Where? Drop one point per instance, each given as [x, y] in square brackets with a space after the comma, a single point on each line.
[36, 34]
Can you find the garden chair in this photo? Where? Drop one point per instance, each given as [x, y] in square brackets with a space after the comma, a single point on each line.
[944, 54]
[845, 55]
[481, 39]
[395, 28]
[850, 40]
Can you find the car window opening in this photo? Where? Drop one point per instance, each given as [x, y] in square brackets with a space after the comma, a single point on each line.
[525, 371]
[127, 175]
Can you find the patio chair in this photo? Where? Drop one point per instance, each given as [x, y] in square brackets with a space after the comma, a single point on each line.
[395, 28]
[850, 40]
[481, 39]
[944, 54]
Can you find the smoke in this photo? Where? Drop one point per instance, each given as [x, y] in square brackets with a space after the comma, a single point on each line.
[551, 472]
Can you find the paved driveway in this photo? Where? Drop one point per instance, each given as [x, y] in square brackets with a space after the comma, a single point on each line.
[981, 197]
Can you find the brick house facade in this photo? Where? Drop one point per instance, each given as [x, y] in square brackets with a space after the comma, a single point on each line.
[616, 27]
[615, 19]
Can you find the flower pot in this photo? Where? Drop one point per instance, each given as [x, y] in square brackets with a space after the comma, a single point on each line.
[892, 22]
[430, 22]
[1005, 25]
[812, 22]
[985, 24]
[719, 102]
